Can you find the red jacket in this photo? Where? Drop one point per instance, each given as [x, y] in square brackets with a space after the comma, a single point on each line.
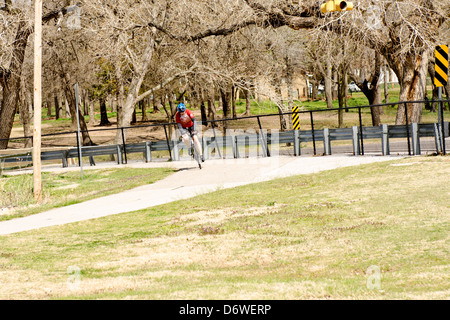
[186, 120]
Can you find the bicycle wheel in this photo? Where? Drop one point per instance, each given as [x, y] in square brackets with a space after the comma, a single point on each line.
[195, 153]
[197, 157]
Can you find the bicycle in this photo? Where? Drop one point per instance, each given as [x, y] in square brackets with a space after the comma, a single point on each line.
[195, 154]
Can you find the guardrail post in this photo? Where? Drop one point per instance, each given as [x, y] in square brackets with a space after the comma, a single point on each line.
[227, 152]
[124, 146]
[355, 140]
[176, 151]
[385, 139]
[415, 138]
[274, 141]
[205, 147]
[437, 137]
[264, 144]
[446, 132]
[442, 128]
[264, 139]
[148, 151]
[236, 147]
[215, 139]
[119, 155]
[64, 158]
[168, 142]
[91, 161]
[361, 135]
[407, 129]
[247, 145]
[326, 141]
[258, 144]
[297, 149]
[312, 131]
[78, 149]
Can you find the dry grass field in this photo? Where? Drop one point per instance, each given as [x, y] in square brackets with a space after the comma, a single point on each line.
[377, 231]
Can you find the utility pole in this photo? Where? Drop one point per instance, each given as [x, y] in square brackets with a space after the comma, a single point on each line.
[37, 179]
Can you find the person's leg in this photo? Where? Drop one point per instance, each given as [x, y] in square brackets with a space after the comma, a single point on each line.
[185, 138]
[198, 145]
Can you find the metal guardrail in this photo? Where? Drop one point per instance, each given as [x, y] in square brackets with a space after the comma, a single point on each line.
[232, 145]
[357, 134]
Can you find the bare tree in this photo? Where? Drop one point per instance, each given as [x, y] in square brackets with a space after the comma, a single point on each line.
[173, 39]
[403, 32]
[17, 28]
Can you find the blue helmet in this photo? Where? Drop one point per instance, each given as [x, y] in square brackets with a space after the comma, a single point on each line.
[181, 107]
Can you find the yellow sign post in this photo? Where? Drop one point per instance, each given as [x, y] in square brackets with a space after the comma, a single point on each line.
[441, 66]
[295, 118]
[440, 80]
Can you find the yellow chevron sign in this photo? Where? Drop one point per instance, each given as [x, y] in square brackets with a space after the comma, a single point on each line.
[441, 66]
[295, 118]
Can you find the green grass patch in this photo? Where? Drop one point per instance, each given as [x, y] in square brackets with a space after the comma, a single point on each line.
[66, 188]
[316, 236]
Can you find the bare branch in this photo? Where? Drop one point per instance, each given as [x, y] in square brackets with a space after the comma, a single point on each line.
[54, 14]
[162, 85]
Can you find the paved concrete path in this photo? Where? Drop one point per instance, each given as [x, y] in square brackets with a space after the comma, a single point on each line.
[187, 182]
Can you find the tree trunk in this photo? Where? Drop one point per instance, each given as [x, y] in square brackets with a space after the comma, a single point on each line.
[328, 85]
[212, 113]
[290, 90]
[144, 110]
[66, 106]
[376, 111]
[226, 98]
[247, 101]
[11, 81]
[156, 104]
[70, 94]
[203, 113]
[172, 106]
[141, 68]
[431, 71]
[411, 71]
[103, 113]
[49, 106]
[25, 113]
[233, 100]
[335, 85]
[372, 91]
[91, 110]
[341, 94]
[314, 90]
[68, 88]
[58, 109]
[134, 118]
[386, 83]
[85, 104]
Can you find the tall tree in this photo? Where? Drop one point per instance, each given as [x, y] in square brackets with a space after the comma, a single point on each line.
[11, 63]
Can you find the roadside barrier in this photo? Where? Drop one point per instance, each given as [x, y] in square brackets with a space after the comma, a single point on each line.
[236, 143]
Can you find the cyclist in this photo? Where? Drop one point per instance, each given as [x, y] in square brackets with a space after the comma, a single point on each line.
[187, 125]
